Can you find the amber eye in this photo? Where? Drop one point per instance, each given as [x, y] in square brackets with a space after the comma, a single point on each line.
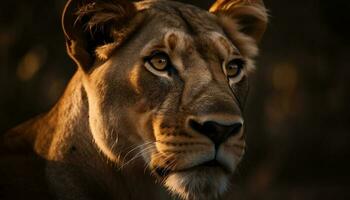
[159, 60]
[234, 68]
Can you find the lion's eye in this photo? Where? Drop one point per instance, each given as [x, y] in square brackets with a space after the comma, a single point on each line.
[159, 61]
[234, 68]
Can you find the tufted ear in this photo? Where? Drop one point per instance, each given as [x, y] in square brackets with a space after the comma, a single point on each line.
[251, 15]
[92, 25]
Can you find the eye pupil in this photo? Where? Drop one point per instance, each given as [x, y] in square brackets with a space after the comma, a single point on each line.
[233, 68]
[159, 60]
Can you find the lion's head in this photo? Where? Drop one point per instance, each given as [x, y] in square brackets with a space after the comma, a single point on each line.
[166, 84]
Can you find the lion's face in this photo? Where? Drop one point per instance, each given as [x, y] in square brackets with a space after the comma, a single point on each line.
[172, 96]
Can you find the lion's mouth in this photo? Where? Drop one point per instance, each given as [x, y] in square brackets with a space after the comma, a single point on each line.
[212, 164]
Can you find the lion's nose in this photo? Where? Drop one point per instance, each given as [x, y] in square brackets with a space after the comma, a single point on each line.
[216, 131]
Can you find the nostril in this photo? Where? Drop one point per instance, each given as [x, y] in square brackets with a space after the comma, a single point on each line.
[215, 131]
[196, 126]
[235, 129]
[207, 128]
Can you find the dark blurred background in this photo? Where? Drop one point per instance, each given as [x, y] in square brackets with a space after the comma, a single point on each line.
[298, 109]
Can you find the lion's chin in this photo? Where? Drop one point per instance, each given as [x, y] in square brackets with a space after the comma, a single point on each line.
[198, 183]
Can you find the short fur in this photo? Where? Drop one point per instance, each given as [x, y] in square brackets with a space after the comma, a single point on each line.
[122, 129]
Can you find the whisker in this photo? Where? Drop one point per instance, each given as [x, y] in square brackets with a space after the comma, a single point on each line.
[137, 155]
[140, 153]
[116, 141]
[156, 155]
[135, 148]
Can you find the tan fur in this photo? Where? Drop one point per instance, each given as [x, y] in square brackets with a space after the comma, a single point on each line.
[124, 130]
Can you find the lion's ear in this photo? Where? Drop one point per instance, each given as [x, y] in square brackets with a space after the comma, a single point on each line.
[251, 15]
[90, 24]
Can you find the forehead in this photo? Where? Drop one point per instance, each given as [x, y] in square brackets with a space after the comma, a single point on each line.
[178, 15]
[186, 26]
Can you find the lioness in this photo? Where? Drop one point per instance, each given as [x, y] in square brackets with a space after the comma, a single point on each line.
[156, 102]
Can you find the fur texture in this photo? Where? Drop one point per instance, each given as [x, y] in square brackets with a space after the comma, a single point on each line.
[124, 124]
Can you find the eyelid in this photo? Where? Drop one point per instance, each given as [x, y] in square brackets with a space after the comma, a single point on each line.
[158, 52]
[240, 61]
[153, 53]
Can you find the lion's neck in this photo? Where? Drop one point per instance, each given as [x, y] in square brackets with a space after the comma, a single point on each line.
[56, 132]
[63, 135]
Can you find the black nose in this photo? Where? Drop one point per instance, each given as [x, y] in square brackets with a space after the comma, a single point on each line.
[216, 132]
